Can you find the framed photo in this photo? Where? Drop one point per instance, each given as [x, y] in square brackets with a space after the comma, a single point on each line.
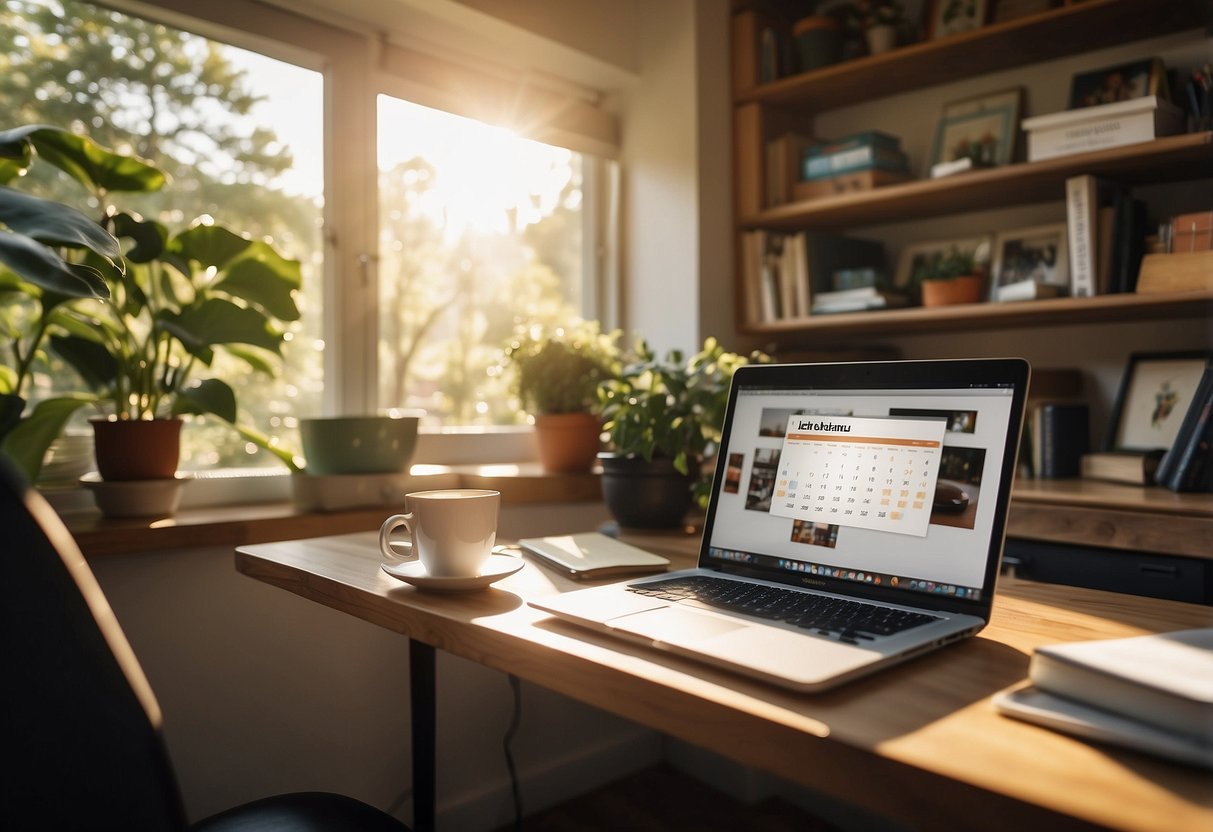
[919, 257]
[1118, 83]
[1154, 396]
[983, 128]
[952, 17]
[1039, 254]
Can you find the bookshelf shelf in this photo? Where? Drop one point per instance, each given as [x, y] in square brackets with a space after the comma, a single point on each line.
[992, 48]
[1170, 159]
[979, 316]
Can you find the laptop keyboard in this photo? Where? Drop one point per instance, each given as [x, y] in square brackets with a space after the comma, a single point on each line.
[849, 621]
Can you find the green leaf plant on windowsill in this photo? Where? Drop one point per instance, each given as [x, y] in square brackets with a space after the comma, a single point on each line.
[158, 318]
[557, 374]
[663, 420]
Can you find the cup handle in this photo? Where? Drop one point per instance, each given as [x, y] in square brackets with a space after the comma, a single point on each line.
[385, 532]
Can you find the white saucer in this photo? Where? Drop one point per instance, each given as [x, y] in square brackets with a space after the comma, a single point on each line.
[412, 572]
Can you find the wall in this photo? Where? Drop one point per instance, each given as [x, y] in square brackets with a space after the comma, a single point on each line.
[264, 692]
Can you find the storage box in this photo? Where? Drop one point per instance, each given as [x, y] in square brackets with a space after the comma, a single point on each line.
[1192, 232]
[860, 180]
[1096, 128]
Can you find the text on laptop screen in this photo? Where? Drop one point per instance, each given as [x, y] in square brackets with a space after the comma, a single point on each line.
[880, 487]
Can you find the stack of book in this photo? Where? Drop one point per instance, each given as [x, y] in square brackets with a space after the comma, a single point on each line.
[860, 162]
[1151, 693]
[783, 272]
[858, 300]
[1107, 231]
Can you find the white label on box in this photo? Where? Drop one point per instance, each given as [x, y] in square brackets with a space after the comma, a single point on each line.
[870, 473]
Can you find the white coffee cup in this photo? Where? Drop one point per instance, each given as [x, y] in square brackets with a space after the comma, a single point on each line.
[452, 531]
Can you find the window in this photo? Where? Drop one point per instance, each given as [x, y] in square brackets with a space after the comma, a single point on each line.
[239, 134]
[480, 229]
[477, 228]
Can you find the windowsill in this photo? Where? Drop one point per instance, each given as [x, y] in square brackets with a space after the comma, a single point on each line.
[237, 525]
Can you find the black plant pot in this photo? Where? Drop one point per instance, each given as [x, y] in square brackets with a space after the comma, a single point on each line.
[645, 495]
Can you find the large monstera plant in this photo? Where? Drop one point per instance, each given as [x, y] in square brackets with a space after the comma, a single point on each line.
[147, 310]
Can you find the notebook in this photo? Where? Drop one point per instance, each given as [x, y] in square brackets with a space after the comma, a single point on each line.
[856, 520]
[592, 555]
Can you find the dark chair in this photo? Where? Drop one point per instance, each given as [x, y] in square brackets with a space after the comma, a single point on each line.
[80, 740]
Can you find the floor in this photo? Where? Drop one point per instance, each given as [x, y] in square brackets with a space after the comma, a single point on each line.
[663, 799]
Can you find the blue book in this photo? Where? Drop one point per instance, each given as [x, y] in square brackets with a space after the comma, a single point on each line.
[847, 161]
[871, 138]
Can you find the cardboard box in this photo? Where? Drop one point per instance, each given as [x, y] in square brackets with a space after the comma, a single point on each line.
[860, 180]
[1192, 232]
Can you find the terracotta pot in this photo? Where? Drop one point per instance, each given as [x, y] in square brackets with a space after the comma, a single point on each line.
[952, 291]
[136, 449]
[568, 442]
[645, 495]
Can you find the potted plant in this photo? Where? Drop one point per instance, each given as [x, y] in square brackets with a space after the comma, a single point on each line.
[663, 419]
[882, 19]
[557, 374]
[176, 300]
[949, 277]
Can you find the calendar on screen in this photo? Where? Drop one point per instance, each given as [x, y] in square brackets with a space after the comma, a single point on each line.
[868, 472]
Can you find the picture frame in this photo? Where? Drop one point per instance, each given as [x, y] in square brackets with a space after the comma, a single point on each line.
[954, 17]
[984, 128]
[1154, 395]
[1123, 82]
[1039, 254]
[917, 253]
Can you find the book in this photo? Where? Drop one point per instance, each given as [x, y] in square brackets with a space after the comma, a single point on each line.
[1129, 242]
[1025, 290]
[1131, 467]
[1085, 195]
[1069, 716]
[1162, 679]
[869, 138]
[841, 183]
[858, 300]
[1102, 126]
[592, 555]
[783, 155]
[1060, 437]
[1186, 466]
[859, 158]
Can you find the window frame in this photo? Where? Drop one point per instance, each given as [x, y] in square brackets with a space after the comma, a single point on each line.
[357, 64]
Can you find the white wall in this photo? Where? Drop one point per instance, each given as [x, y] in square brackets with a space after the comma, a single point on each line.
[264, 692]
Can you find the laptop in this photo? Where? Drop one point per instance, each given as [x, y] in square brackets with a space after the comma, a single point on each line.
[856, 520]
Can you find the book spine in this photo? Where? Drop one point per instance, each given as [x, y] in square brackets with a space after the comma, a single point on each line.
[1063, 439]
[1186, 466]
[873, 138]
[1080, 208]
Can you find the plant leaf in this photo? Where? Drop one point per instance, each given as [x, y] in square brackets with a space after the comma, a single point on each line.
[209, 396]
[43, 267]
[149, 236]
[267, 279]
[26, 444]
[207, 245]
[87, 357]
[218, 321]
[94, 166]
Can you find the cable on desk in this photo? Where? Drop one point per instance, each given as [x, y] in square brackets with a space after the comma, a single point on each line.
[510, 732]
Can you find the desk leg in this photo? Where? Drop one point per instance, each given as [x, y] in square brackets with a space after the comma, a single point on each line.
[423, 702]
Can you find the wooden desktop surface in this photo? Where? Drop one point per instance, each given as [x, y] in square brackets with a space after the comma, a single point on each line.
[920, 741]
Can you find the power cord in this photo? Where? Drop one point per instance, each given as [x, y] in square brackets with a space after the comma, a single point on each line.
[507, 742]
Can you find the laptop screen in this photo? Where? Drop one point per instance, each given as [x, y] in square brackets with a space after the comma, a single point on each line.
[883, 479]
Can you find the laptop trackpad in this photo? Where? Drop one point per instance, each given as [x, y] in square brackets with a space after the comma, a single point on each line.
[673, 624]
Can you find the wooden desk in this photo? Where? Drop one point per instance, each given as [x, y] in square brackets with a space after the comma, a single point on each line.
[920, 741]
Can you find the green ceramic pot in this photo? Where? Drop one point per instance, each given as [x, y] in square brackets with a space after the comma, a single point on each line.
[358, 444]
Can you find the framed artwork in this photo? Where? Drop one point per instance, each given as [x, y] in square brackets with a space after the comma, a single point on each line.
[1154, 396]
[919, 258]
[952, 17]
[1039, 254]
[983, 128]
[1118, 83]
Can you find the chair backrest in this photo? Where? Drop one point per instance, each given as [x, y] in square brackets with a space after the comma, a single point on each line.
[80, 737]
